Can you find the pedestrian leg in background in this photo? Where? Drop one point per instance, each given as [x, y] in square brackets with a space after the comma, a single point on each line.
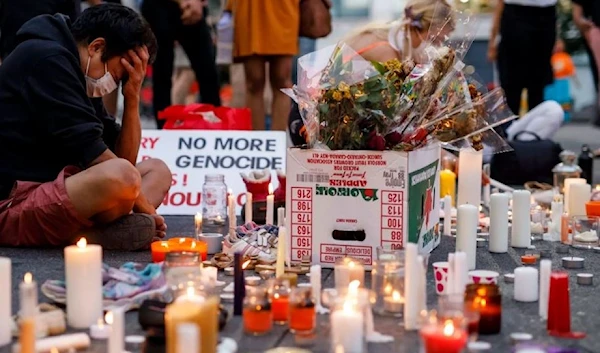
[593, 38]
[255, 76]
[198, 45]
[280, 76]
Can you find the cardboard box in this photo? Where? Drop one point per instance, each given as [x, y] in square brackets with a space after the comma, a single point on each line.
[347, 203]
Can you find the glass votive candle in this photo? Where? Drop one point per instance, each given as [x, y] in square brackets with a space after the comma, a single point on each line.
[347, 270]
[487, 300]
[444, 334]
[387, 283]
[386, 253]
[452, 305]
[539, 223]
[303, 316]
[189, 245]
[179, 266]
[279, 292]
[257, 313]
[584, 231]
[348, 320]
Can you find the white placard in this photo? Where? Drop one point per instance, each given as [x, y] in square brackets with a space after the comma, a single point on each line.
[191, 154]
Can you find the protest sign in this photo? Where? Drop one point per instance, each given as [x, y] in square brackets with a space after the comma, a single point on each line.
[191, 154]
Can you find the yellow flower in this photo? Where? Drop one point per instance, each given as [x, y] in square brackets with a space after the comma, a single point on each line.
[343, 87]
[337, 95]
[393, 65]
[359, 93]
[347, 95]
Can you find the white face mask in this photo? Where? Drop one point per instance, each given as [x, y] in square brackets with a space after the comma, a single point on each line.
[98, 87]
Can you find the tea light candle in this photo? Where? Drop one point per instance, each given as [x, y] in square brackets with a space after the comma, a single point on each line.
[447, 215]
[189, 245]
[231, 212]
[466, 233]
[116, 340]
[28, 300]
[526, 284]
[83, 273]
[100, 331]
[470, 163]
[348, 270]
[585, 279]
[521, 225]
[499, 223]
[394, 303]
[509, 278]
[252, 281]
[572, 263]
[270, 205]
[528, 259]
[248, 207]
[5, 300]
[348, 328]
[198, 223]
[444, 338]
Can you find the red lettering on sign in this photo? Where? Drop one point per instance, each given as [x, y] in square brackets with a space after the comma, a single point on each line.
[149, 142]
[183, 198]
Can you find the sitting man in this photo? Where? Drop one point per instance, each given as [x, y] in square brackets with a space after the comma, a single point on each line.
[66, 168]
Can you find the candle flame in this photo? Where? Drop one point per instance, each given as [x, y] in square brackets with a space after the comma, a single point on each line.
[109, 317]
[82, 243]
[245, 264]
[229, 192]
[198, 216]
[351, 264]
[353, 287]
[181, 240]
[448, 328]
[598, 187]
[388, 289]
[164, 244]
[270, 189]
[28, 278]
[190, 292]
[396, 296]
[193, 245]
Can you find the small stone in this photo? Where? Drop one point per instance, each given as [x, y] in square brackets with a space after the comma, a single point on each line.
[562, 249]
[135, 339]
[478, 346]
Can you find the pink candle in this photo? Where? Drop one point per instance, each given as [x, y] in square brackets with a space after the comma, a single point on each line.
[444, 338]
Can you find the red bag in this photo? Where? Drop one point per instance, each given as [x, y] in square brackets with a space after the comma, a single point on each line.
[206, 117]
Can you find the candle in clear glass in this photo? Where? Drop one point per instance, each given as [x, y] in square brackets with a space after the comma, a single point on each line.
[179, 266]
[279, 292]
[258, 313]
[387, 278]
[451, 306]
[585, 231]
[444, 337]
[303, 317]
[187, 244]
[348, 325]
[347, 270]
[487, 300]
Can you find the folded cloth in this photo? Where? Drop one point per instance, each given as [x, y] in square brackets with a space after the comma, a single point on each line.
[127, 286]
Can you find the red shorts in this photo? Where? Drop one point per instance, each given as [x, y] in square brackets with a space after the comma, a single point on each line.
[40, 214]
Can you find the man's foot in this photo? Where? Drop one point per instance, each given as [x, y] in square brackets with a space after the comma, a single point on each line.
[131, 232]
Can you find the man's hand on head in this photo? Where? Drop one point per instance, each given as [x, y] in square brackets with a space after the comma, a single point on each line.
[135, 63]
[192, 11]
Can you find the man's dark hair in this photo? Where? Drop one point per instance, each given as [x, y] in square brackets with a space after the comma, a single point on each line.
[121, 27]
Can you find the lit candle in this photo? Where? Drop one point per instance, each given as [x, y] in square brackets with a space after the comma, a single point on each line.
[116, 339]
[447, 215]
[187, 338]
[281, 217]
[545, 271]
[270, 205]
[28, 300]
[159, 250]
[194, 309]
[526, 284]
[486, 299]
[521, 225]
[347, 270]
[248, 212]
[198, 224]
[239, 284]
[5, 300]
[231, 214]
[185, 244]
[444, 338]
[100, 331]
[466, 232]
[470, 163]
[394, 303]
[579, 195]
[348, 328]
[83, 273]
[448, 185]
[281, 244]
[498, 240]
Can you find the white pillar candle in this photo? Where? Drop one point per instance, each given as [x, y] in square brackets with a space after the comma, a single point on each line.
[545, 271]
[83, 273]
[281, 217]
[466, 232]
[461, 272]
[451, 279]
[579, 195]
[568, 183]
[63, 343]
[447, 215]
[5, 300]
[521, 225]
[411, 287]
[422, 277]
[281, 244]
[526, 284]
[198, 224]
[469, 177]
[498, 241]
[348, 329]
[557, 211]
[188, 338]
[116, 340]
[248, 212]
[348, 270]
[270, 205]
[315, 283]
[231, 212]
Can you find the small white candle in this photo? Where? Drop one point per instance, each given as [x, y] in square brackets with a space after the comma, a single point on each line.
[315, 283]
[62, 343]
[198, 224]
[447, 215]
[557, 211]
[498, 240]
[348, 270]
[100, 331]
[470, 163]
[521, 225]
[270, 205]
[526, 284]
[451, 279]
[466, 233]
[231, 212]
[116, 340]
[5, 300]
[248, 212]
[579, 195]
[460, 273]
[281, 244]
[411, 287]
[567, 190]
[545, 271]
[281, 216]
[422, 279]
[348, 329]
[83, 273]
[188, 338]
[394, 303]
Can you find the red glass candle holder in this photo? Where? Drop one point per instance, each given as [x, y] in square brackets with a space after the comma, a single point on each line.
[257, 313]
[447, 336]
[487, 300]
[559, 312]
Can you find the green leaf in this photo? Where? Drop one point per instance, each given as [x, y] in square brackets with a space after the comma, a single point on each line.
[379, 67]
[362, 99]
[323, 108]
[375, 97]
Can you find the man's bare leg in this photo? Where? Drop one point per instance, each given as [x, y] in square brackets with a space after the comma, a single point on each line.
[156, 180]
